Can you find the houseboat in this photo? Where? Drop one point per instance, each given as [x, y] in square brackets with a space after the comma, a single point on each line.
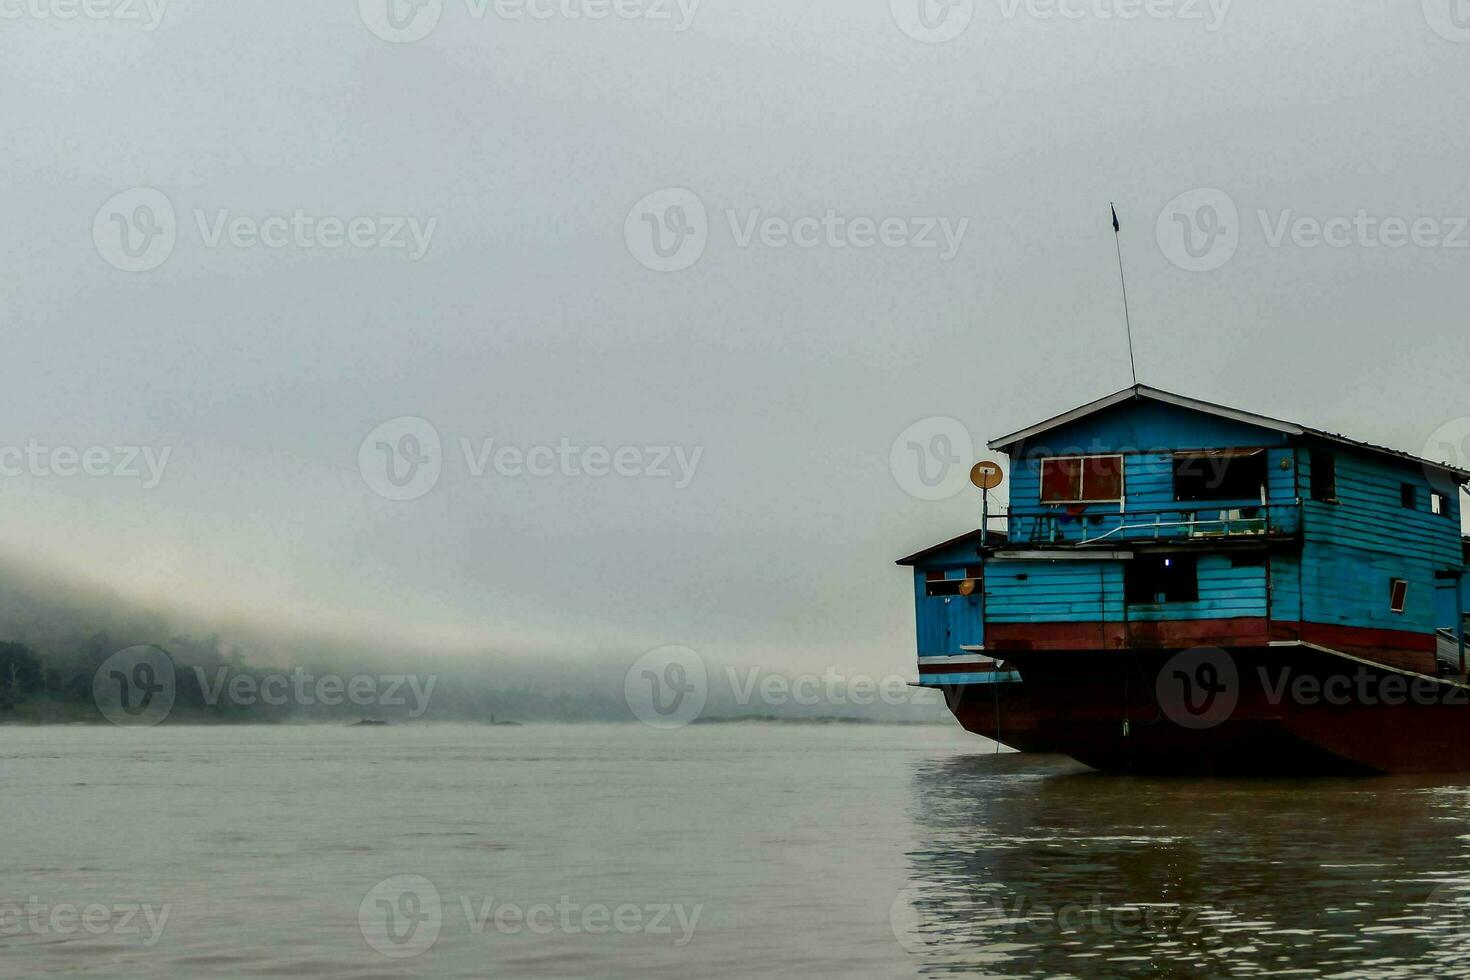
[1181, 587]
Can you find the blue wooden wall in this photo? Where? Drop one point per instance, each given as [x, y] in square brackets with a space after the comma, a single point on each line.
[1092, 591]
[1147, 434]
[1354, 548]
[1351, 550]
[947, 624]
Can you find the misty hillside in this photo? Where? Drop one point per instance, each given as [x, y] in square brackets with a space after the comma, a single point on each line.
[55, 634]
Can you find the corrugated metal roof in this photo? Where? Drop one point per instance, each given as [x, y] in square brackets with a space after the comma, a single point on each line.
[1138, 392]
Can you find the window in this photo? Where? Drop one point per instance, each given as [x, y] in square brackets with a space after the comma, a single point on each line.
[1439, 503]
[1324, 476]
[1225, 475]
[1398, 595]
[1082, 479]
[937, 583]
[1154, 579]
[1409, 495]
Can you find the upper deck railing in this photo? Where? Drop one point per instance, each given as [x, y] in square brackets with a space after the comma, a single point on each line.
[1175, 523]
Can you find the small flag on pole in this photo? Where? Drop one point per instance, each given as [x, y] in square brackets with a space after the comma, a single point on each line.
[1116, 227]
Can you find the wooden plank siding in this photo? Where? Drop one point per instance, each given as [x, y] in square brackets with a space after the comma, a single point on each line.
[1147, 435]
[1085, 592]
[1353, 549]
[1327, 573]
[1148, 481]
[944, 625]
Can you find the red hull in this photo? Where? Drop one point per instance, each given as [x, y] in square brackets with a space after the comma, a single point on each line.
[1252, 711]
[1005, 712]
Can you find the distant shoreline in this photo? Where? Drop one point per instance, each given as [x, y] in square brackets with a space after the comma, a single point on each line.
[211, 722]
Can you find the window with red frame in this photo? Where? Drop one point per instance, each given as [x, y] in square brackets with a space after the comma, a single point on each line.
[1082, 479]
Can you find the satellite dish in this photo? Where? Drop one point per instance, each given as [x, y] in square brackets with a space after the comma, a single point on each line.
[987, 475]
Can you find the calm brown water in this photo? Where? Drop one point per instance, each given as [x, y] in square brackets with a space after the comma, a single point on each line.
[714, 851]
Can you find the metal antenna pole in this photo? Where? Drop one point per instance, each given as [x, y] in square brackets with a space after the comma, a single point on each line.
[1127, 318]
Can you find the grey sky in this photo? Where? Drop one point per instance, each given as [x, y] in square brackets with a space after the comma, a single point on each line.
[529, 319]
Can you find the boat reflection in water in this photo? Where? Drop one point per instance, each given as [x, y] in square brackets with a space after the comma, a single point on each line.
[1031, 865]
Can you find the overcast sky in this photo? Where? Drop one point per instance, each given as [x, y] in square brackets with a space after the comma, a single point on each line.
[501, 179]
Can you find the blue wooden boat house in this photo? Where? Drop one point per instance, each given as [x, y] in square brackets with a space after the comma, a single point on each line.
[1153, 522]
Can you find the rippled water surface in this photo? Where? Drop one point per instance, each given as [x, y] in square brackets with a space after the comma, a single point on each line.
[715, 851]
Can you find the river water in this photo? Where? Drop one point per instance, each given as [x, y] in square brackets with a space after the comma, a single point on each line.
[712, 851]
